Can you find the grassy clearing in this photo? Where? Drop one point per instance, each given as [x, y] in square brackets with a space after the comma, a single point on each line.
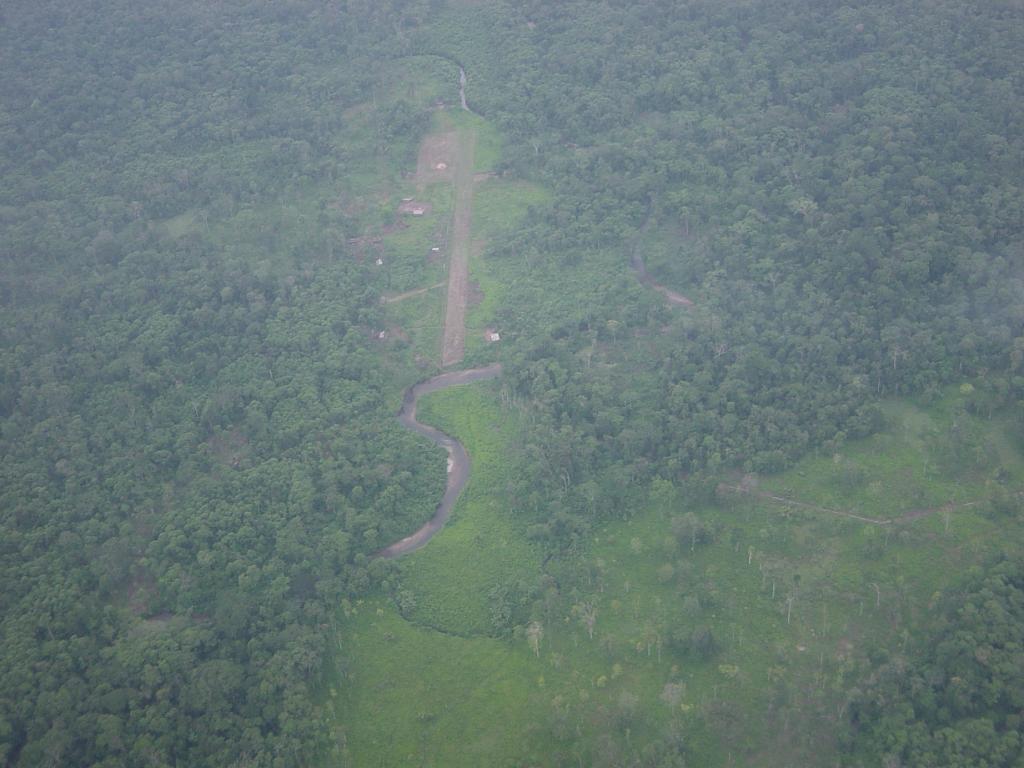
[926, 459]
[793, 599]
[480, 316]
[406, 247]
[421, 318]
[488, 141]
[413, 696]
[181, 225]
[498, 206]
[480, 548]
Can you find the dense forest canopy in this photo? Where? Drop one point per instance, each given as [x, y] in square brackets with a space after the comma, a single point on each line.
[199, 455]
[197, 451]
[958, 700]
[839, 188]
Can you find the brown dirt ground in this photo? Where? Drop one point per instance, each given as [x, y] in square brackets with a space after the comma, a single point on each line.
[454, 343]
[397, 332]
[436, 149]
[408, 208]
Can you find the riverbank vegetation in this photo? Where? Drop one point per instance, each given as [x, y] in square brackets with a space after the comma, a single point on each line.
[672, 621]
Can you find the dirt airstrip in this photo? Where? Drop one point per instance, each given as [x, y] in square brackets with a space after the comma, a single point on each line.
[446, 157]
[436, 159]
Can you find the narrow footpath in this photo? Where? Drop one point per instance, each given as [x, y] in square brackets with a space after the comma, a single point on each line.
[645, 278]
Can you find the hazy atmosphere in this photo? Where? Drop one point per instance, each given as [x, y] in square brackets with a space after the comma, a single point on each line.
[461, 383]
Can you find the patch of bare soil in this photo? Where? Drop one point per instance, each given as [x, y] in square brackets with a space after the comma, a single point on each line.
[437, 157]
[391, 333]
[396, 226]
[357, 205]
[415, 208]
[454, 344]
[672, 296]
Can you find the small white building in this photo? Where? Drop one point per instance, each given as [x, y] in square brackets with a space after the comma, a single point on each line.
[379, 262]
[494, 336]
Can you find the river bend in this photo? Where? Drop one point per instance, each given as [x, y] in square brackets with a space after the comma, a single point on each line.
[458, 459]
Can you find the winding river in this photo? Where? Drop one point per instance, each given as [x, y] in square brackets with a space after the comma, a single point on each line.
[458, 459]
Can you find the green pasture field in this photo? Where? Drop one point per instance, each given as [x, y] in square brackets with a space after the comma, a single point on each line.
[481, 546]
[499, 205]
[488, 141]
[793, 597]
[406, 246]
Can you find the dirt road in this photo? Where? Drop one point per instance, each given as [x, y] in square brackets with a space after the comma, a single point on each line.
[409, 294]
[458, 459]
[454, 344]
[801, 504]
[644, 277]
[437, 155]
